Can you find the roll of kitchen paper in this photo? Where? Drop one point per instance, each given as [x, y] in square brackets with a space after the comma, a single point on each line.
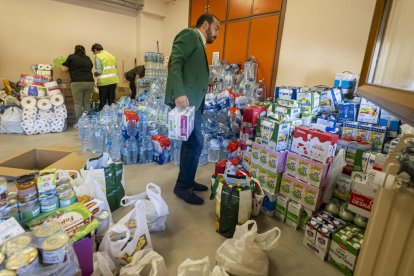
[28, 102]
[57, 100]
[44, 104]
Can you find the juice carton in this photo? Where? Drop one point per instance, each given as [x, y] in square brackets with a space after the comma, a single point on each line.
[297, 191]
[311, 197]
[362, 133]
[322, 146]
[292, 164]
[273, 182]
[286, 185]
[368, 112]
[294, 213]
[349, 130]
[303, 170]
[281, 207]
[300, 140]
[377, 136]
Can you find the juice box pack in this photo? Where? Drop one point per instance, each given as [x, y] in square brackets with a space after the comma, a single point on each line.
[319, 146]
[345, 247]
[181, 123]
[306, 170]
[276, 131]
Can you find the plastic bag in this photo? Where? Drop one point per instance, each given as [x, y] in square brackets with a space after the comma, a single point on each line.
[91, 187]
[245, 253]
[127, 236]
[145, 263]
[194, 267]
[11, 121]
[155, 206]
[334, 172]
[103, 265]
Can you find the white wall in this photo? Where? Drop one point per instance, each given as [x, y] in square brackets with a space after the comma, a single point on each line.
[175, 21]
[322, 37]
[39, 31]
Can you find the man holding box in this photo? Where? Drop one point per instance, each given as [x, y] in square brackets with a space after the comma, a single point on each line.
[186, 86]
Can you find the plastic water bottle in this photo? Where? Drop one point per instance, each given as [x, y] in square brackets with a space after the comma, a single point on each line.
[126, 156]
[114, 140]
[83, 128]
[176, 148]
[204, 155]
[223, 149]
[142, 124]
[210, 121]
[214, 151]
[149, 150]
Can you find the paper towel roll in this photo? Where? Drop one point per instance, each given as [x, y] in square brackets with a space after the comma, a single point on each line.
[44, 104]
[57, 100]
[54, 91]
[28, 102]
[47, 67]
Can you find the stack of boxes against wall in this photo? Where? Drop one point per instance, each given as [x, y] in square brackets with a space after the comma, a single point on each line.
[293, 148]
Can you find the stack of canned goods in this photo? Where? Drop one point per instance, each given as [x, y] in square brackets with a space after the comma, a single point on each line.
[35, 195]
[24, 254]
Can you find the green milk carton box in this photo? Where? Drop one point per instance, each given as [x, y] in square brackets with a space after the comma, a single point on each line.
[294, 214]
[273, 182]
[281, 207]
[308, 101]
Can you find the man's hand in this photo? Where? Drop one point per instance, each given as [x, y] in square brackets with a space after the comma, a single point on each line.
[182, 101]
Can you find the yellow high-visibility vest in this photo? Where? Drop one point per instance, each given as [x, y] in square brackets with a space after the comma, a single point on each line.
[109, 73]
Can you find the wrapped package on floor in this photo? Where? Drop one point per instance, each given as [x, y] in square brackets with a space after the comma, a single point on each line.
[181, 123]
[233, 206]
[11, 121]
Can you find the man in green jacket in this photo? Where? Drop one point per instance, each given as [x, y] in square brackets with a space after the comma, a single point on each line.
[186, 86]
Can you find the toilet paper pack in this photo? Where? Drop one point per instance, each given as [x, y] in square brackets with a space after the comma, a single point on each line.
[181, 123]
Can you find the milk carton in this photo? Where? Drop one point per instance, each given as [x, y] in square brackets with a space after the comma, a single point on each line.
[292, 164]
[181, 123]
[285, 92]
[281, 207]
[273, 182]
[309, 101]
[294, 214]
[368, 112]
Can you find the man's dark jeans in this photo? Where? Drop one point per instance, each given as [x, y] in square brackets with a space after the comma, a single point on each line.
[190, 153]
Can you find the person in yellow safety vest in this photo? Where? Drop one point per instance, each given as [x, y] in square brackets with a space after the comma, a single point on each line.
[106, 73]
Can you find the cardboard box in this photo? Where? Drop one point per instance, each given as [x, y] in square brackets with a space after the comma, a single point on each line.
[276, 131]
[273, 182]
[122, 89]
[361, 198]
[34, 160]
[57, 74]
[267, 159]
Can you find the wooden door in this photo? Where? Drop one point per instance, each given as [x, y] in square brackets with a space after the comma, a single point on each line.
[236, 39]
[239, 9]
[218, 8]
[217, 45]
[266, 6]
[262, 45]
[198, 7]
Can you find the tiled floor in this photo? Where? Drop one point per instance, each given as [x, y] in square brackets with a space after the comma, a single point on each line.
[190, 229]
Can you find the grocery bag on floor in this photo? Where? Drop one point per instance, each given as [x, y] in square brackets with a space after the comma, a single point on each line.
[11, 121]
[145, 263]
[258, 196]
[103, 265]
[155, 207]
[129, 235]
[245, 253]
[199, 268]
[233, 206]
[110, 176]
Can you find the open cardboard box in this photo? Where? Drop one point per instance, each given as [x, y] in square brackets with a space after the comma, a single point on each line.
[34, 160]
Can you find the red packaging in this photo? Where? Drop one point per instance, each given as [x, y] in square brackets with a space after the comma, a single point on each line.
[252, 114]
[220, 167]
[232, 149]
[130, 115]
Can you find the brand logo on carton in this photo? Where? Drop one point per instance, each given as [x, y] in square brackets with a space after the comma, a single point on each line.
[361, 201]
[310, 233]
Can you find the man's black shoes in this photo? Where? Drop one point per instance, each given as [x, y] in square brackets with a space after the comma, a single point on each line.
[189, 197]
[199, 187]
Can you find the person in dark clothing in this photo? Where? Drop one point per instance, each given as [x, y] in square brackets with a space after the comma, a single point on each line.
[132, 76]
[79, 66]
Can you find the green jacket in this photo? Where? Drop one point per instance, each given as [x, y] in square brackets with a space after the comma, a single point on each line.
[188, 69]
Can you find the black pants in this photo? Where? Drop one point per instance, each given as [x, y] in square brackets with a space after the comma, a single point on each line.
[106, 95]
[133, 88]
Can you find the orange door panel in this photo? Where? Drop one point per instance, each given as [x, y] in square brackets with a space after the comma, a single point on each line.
[266, 6]
[217, 45]
[218, 8]
[198, 7]
[239, 8]
[236, 41]
[262, 45]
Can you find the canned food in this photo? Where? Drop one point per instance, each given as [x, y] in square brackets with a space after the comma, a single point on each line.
[54, 248]
[23, 260]
[29, 210]
[16, 244]
[3, 193]
[26, 188]
[67, 198]
[49, 203]
[8, 212]
[64, 187]
[45, 230]
[6, 272]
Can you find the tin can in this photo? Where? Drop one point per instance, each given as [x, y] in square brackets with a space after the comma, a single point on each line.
[67, 198]
[54, 248]
[23, 261]
[5, 272]
[46, 230]
[29, 210]
[26, 188]
[3, 193]
[49, 203]
[16, 244]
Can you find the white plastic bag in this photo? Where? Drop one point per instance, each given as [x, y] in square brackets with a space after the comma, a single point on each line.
[91, 187]
[145, 263]
[334, 172]
[155, 206]
[11, 121]
[103, 265]
[245, 253]
[127, 236]
[194, 267]
[218, 271]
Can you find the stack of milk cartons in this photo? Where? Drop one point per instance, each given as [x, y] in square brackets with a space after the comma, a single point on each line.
[307, 165]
